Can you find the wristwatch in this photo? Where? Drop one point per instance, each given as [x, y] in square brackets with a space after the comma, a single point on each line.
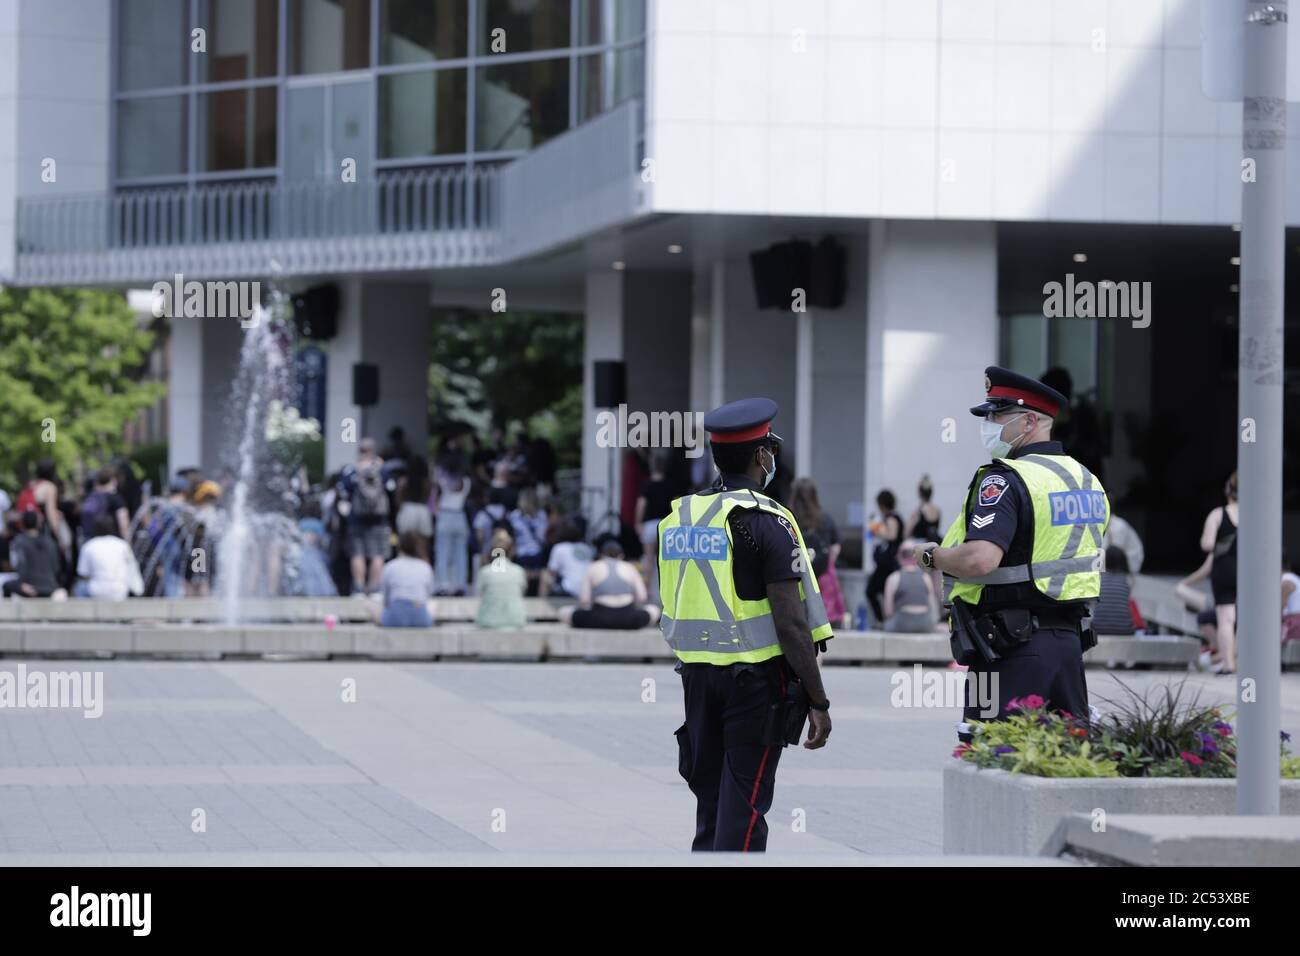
[927, 558]
[824, 706]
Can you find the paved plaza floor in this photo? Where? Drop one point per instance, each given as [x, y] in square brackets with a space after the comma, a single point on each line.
[448, 763]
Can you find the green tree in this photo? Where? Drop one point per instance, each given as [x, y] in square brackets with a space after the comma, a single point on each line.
[509, 367]
[71, 362]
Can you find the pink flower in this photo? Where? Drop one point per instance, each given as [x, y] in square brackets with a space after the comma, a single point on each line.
[1192, 759]
[961, 749]
[1034, 702]
[1015, 703]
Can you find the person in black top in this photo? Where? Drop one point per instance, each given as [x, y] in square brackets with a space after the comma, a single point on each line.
[888, 532]
[1219, 539]
[652, 505]
[924, 523]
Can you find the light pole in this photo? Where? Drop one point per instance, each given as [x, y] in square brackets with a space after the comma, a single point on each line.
[1259, 402]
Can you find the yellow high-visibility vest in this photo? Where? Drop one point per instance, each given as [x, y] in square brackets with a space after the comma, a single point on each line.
[1070, 510]
[704, 619]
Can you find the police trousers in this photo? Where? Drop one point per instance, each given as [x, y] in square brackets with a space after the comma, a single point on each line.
[1049, 664]
[722, 754]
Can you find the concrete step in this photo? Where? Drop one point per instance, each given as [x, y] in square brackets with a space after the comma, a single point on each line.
[1180, 840]
[536, 641]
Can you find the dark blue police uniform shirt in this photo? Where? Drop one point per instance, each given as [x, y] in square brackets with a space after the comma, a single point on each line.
[765, 544]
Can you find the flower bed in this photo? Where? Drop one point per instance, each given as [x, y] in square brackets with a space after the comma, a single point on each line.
[1019, 776]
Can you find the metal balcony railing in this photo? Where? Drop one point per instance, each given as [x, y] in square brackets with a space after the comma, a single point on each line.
[419, 219]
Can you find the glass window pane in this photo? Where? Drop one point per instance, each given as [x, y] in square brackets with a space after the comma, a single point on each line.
[152, 44]
[327, 36]
[610, 21]
[422, 31]
[521, 105]
[1022, 342]
[1074, 346]
[422, 114]
[243, 37]
[607, 79]
[151, 136]
[236, 129]
[522, 26]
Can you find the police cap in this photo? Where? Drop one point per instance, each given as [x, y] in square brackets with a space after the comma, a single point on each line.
[746, 420]
[1007, 389]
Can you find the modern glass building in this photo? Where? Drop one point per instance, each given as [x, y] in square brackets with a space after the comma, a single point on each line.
[624, 158]
[218, 90]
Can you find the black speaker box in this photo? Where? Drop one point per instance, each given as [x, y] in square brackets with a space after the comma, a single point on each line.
[316, 312]
[365, 384]
[826, 275]
[610, 380]
[780, 269]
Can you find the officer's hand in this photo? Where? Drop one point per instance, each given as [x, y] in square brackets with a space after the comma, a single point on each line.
[819, 728]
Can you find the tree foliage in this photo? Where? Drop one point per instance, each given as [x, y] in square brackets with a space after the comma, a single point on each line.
[508, 368]
[70, 378]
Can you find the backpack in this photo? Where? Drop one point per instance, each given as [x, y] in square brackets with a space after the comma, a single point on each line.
[27, 499]
[370, 499]
[96, 504]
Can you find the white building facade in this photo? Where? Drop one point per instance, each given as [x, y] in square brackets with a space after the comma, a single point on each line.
[623, 160]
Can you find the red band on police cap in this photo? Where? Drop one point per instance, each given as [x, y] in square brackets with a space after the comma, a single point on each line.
[1032, 399]
[749, 434]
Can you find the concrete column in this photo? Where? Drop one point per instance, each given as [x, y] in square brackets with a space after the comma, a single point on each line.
[343, 425]
[932, 328]
[185, 395]
[703, 320]
[837, 395]
[54, 104]
[602, 339]
[803, 393]
[221, 342]
[718, 331]
[759, 353]
[395, 337]
[384, 324]
[8, 134]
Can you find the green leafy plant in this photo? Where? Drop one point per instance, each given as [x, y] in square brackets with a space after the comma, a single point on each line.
[71, 377]
[1036, 741]
[1166, 733]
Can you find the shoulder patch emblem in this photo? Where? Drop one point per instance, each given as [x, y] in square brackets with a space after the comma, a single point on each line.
[789, 530]
[991, 490]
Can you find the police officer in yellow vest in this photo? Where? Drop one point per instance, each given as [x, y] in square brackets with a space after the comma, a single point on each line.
[1022, 563]
[744, 615]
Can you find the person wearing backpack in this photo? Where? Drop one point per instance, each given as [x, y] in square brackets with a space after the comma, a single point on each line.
[366, 507]
[104, 500]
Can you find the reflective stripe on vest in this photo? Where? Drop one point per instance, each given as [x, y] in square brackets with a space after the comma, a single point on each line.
[704, 619]
[1069, 563]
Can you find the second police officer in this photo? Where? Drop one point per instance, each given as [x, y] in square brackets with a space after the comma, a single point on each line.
[744, 616]
[1022, 563]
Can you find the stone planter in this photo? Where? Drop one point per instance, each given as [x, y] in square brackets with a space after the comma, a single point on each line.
[1012, 814]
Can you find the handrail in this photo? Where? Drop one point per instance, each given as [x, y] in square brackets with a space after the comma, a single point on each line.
[439, 217]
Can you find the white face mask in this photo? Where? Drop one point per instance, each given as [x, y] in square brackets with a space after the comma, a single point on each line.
[991, 436]
[769, 473]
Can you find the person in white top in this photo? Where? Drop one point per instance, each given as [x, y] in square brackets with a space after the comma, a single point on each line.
[1290, 603]
[567, 566]
[106, 567]
[1121, 534]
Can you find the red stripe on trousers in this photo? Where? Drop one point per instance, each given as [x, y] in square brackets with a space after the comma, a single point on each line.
[758, 779]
